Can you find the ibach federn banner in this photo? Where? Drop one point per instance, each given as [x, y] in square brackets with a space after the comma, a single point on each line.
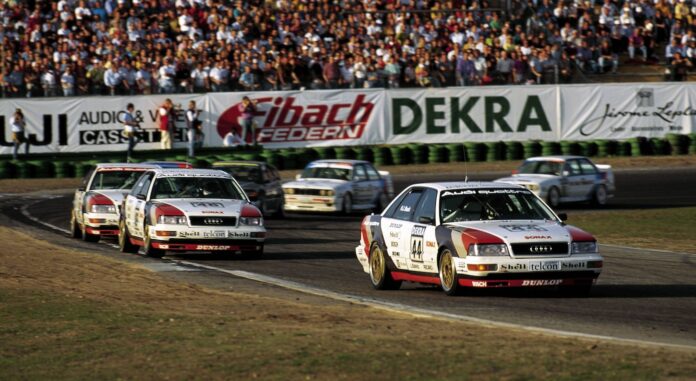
[366, 116]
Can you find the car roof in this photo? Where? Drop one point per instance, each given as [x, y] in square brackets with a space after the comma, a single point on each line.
[338, 161]
[238, 163]
[555, 157]
[443, 186]
[178, 172]
[116, 166]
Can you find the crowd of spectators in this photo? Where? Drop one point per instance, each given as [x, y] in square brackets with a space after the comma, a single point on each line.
[76, 47]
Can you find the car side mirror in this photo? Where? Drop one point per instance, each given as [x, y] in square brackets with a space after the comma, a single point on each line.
[563, 216]
[426, 220]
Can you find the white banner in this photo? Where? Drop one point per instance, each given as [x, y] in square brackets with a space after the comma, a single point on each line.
[479, 114]
[622, 111]
[363, 117]
[303, 118]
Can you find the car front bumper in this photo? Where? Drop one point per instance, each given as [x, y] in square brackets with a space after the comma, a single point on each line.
[309, 203]
[195, 238]
[103, 224]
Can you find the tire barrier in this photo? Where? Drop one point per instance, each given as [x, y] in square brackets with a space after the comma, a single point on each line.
[77, 165]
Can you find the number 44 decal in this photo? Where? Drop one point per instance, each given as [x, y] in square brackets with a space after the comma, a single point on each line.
[416, 252]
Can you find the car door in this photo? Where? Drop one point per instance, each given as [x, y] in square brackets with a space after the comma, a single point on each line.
[272, 187]
[376, 184]
[361, 185]
[421, 237]
[590, 176]
[135, 205]
[396, 227]
[572, 179]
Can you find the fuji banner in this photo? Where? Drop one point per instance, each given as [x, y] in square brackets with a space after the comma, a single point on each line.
[302, 118]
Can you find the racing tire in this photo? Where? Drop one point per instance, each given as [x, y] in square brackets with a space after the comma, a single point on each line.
[148, 249]
[380, 276]
[599, 198]
[124, 243]
[75, 231]
[554, 197]
[448, 274]
[347, 207]
[88, 237]
[576, 291]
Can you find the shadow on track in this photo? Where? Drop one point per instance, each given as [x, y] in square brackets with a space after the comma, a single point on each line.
[202, 257]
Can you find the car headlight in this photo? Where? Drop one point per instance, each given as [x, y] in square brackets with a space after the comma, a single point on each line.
[589, 247]
[172, 220]
[251, 221]
[289, 190]
[327, 192]
[103, 209]
[488, 250]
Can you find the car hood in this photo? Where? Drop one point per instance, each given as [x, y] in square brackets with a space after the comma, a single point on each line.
[315, 184]
[207, 206]
[115, 195]
[518, 231]
[527, 179]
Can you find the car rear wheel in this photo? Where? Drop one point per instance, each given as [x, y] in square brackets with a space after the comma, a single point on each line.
[380, 276]
[124, 243]
[75, 231]
[448, 274]
[87, 237]
[149, 250]
[347, 204]
[600, 196]
[554, 197]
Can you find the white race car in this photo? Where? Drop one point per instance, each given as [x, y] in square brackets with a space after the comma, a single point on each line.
[95, 203]
[190, 210]
[338, 186]
[560, 179]
[475, 235]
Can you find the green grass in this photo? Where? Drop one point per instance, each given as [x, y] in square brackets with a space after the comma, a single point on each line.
[671, 229]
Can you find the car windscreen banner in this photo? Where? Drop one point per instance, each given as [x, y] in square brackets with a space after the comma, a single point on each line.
[365, 116]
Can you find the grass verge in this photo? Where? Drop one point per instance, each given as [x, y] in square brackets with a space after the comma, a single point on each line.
[70, 315]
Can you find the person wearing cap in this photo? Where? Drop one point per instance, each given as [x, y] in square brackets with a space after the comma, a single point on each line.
[130, 127]
[18, 126]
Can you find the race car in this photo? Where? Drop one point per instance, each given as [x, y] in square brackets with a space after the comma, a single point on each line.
[260, 181]
[339, 186]
[95, 204]
[562, 179]
[190, 210]
[465, 234]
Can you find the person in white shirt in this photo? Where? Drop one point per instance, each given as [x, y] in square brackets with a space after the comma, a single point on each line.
[112, 78]
[144, 79]
[232, 139]
[18, 125]
[359, 72]
[193, 126]
[167, 72]
[82, 11]
[216, 74]
[199, 77]
[67, 82]
[49, 82]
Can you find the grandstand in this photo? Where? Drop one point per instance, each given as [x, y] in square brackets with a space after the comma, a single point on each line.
[127, 47]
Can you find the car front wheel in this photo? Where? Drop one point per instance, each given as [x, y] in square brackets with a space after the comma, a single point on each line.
[124, 243]
[347, 204]
[600, 196]
[75, 231]
[149, 250]
[448, 274]
[87, 237]
[380, 276]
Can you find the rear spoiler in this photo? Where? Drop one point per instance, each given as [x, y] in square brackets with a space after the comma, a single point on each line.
[389, 183]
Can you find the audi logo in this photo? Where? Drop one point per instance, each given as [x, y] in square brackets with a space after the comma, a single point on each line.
[212, 221]
[539, 249]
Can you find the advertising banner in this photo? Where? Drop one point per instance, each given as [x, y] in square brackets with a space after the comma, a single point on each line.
[302, 118]
[479, 114]
[624, 111]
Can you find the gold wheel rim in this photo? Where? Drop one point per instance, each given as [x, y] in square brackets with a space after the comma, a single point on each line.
[447, 271]
[376, 265]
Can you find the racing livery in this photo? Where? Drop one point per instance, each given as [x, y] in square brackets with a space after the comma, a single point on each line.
[560, 179]
[95, 203]
[338, 186]
[190, 210]
[260, 181]
[464, 234]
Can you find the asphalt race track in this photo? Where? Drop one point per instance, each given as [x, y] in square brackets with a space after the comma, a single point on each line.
[641, 294]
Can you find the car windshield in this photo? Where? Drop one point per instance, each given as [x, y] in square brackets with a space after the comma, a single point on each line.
[195, 187]
[115, 179]
[544, 167]
[491, 204]
[336, 173]
[250, 173]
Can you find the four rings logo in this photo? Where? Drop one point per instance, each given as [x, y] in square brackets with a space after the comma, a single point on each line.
[540, 249]
[212, 221]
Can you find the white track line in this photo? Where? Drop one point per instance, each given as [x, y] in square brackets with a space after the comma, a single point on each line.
[394, 307]
[643, 249]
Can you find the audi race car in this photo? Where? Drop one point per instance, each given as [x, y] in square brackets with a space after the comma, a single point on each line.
[487, 234]
[95, 203]
[260, 181]
[560, 179]
[338, 186]
[190, 210]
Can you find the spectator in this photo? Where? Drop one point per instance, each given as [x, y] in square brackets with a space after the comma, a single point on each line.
[18, 126]
[248, 110]
[165, 116]
[331, 73]
[112, 79]
[679, 67]
[67, 82]
[193, 127]
[130, 130]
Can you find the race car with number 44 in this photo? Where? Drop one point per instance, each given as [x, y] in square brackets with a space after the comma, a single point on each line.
[486, 235]
[190, 210]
